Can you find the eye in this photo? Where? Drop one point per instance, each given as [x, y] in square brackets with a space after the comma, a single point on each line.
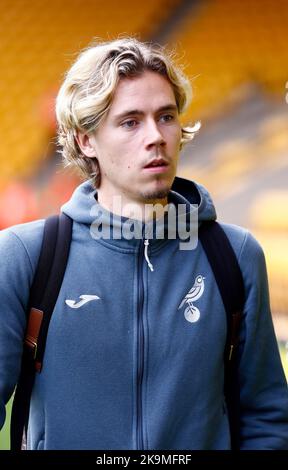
[130, 123]
[167, 117]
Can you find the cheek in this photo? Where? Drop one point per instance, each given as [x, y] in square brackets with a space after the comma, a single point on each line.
[175, 140]
[122, 163]
[174, 136]
[128, 158]
[130, 165]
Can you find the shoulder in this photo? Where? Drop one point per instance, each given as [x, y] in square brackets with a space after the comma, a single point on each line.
[242, 241]
[249, 254]
[22, 242]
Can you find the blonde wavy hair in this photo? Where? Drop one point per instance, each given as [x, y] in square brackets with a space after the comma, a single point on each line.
[87, 92]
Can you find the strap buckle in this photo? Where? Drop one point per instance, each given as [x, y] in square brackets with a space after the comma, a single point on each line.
[32, 345]
[32, 333]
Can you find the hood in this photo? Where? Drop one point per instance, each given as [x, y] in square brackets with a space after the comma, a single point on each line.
[189, 205]
[83, 204]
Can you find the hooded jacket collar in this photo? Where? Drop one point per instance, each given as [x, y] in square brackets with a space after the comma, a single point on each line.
[84, 208]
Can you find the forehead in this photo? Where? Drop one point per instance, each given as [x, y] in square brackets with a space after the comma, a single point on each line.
[149, 90]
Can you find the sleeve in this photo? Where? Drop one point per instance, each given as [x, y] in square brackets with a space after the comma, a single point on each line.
[16, 277]
[263, 387]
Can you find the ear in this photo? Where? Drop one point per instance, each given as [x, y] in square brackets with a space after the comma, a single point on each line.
[86, 143]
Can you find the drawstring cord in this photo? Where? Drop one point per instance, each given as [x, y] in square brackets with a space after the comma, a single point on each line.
[146, 243]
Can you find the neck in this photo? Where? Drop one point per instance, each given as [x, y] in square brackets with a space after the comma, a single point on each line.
[139, 210]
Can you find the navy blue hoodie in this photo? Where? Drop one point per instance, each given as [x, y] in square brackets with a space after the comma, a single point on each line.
[128, 365]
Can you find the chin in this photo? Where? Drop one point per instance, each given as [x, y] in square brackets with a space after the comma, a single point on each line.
[160, 192]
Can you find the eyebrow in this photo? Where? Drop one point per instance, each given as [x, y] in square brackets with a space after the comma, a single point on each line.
[134, 112]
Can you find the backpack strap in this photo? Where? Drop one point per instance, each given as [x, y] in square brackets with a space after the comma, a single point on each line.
[228, 276]
[43, 296]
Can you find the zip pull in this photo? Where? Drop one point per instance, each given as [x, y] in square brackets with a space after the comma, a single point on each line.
[146, 243]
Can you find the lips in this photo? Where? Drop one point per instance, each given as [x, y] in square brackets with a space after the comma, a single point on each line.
[156, 166]
[155, 163]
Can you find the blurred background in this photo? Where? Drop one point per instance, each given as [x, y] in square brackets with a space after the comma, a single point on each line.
[236, 55]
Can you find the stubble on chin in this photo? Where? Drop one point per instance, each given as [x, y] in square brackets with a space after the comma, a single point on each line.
[156, 194]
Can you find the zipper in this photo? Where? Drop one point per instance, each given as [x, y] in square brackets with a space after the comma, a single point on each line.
[140, 352]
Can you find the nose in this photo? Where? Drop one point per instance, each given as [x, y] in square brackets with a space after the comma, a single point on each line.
[153, 137]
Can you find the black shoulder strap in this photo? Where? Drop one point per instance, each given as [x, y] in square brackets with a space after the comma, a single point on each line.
[43, 296]
[229, 280]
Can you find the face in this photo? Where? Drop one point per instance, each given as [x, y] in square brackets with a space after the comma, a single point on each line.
[137, 144]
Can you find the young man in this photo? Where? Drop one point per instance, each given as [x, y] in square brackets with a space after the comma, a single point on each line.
[134, 352]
